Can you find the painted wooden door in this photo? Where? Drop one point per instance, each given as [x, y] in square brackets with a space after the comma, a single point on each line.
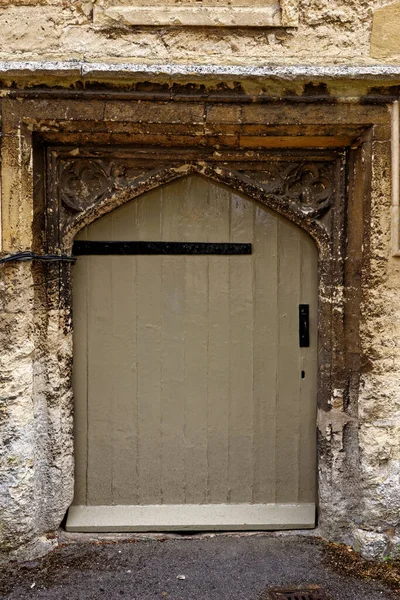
[195, 406]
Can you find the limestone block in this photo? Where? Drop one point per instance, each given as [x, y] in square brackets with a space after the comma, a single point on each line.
[385, 41]
[372, 546]
[211, 13]
[380, 467]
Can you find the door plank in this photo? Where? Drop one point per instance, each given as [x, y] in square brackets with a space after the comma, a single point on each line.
[218, 351]
[124, 378]
[149, 334]
[194, 208]
[173, 353]
[100, 383]
[80, 376]
[308, 385]
[288, 405]
[265, 353]
[241, 356]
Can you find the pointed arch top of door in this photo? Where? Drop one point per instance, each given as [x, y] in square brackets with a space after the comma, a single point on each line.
[301, 191]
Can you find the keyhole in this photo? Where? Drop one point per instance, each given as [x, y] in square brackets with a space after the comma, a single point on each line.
[303, 374]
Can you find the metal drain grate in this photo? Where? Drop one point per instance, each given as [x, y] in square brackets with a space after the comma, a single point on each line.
[311, 594]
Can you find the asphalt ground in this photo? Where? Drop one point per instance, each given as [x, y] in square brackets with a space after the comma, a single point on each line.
[220, 567]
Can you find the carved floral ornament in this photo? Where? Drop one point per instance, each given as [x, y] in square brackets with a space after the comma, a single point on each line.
[83, 183]
[212, 13]
[308, 188]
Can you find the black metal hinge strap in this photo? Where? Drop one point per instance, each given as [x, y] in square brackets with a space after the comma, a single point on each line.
[85, 248]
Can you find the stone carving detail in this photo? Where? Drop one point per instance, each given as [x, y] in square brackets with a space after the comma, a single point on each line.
[85, 182]
[311, 187]
[82, 183]
[307, 186]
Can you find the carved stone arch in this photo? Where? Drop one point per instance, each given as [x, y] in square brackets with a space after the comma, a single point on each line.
[281, 201]
[307, 186]
[308, 189]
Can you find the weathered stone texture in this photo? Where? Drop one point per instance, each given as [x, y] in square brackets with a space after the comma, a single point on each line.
[359, 428]
[328, 32]
[385, 32]
[17, 502]
[379, 397]
[36, 451]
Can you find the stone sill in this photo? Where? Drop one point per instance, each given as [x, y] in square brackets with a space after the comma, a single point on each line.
[387, 74]
[271, 14]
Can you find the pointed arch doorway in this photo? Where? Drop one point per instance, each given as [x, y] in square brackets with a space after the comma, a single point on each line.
[194, 381]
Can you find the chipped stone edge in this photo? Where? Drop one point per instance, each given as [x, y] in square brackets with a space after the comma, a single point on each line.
[122, 70]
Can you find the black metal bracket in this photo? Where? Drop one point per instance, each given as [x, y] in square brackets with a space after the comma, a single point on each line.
[304, 325]
[85, 248]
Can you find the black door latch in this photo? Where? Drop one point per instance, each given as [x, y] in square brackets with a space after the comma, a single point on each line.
[304, 325]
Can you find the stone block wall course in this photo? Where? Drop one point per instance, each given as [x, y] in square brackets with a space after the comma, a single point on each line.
[328, 32]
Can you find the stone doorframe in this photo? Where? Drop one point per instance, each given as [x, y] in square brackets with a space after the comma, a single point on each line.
[320, 165]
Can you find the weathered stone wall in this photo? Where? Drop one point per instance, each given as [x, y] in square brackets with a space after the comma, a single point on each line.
[360, 435]
[329, 32]
[379, 395]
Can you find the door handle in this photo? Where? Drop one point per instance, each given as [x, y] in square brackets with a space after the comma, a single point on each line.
[304, 325]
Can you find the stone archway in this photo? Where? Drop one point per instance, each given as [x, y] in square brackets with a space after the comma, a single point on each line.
[303, 191]
[340, 230]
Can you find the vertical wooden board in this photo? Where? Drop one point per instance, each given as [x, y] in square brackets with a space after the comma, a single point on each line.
[241, 356]
[124, 221]
[194, 208]
[100, 381]
[218, 350]
[195, 220]
[289, 372]
[309, 364]
[80, 375]
[101, 229]
[123, 359]
[100, 370]
[82, 234]
[196, 355]
[173, 359]
[149, 334]
[149, 215]
[265, 256]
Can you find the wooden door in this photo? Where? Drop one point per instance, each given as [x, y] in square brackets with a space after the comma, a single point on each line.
[195, 406]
